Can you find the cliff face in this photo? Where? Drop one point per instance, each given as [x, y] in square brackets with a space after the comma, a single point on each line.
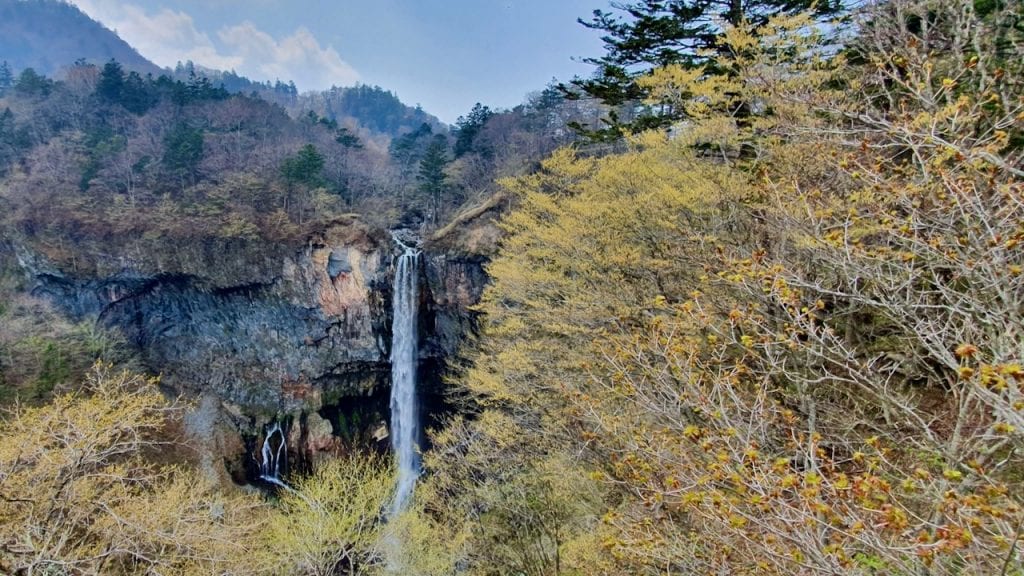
[267, 340]
[303, 336]
[455, 283]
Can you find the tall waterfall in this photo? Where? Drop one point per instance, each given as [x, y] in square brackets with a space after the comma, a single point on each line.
[404, 407]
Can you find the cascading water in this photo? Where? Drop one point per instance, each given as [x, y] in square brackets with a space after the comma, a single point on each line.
[404, 407]
[273, 458]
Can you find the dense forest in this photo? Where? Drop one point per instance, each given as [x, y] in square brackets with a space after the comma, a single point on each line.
[106, 157]
[755, 307]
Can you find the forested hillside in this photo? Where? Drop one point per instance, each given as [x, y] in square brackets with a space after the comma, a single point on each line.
[783, 339]
[107, 171]
[759, 313]
[373, 107]
[106, 158]
[110, 157]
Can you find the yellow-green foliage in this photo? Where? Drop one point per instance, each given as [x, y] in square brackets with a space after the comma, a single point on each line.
[80, 493]
[76, 495]
[783, 340]
[330, 521]
[591, 241]
[415, 542]
[593, 245]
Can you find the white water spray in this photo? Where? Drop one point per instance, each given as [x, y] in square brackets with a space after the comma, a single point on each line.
[273, 459]
[404, 407]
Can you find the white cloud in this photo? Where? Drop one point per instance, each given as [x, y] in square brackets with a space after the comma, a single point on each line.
[298, 57]
[168, 37]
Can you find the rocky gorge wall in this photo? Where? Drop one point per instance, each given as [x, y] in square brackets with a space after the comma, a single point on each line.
[299, 336]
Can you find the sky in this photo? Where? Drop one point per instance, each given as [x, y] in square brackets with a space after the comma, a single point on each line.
[444, 55]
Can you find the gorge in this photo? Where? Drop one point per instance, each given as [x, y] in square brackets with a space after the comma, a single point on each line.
[289, 354]
[746, 299]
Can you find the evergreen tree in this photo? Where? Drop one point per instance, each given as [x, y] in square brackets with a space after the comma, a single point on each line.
[31, 83]
[305, 167]
[6, 77]
[183, 150]
[199, 88]
[346, 138]
[6, 124]
[431, 175]
[469, 126]
[111, 82]
[11, 139]
[136, 96]
[406, 149]
[548, 98]
[640, 36]
[130, 91]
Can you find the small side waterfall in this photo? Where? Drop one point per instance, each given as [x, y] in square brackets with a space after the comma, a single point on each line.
[273, 459]
[404, 351]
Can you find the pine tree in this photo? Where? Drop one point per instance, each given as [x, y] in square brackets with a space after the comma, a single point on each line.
[183, 151]
[469, 126]
[407, 148]
[305, 167]
[431, 176]
[31, 83]
[346, 138]
[111, 82]
[6, 77]
[10, 140]
[640, 36]
[135, 94]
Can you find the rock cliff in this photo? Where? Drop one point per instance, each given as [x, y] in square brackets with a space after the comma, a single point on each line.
[262, 334]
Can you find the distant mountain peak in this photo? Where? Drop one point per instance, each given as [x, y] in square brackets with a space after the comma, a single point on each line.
[51, 35]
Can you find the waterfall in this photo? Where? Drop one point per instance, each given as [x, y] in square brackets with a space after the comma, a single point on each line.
[404, 344]
[272, 459]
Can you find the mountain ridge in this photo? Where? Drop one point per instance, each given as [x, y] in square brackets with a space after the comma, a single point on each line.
[50, 35]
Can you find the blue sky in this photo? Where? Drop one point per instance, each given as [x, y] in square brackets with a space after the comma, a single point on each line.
[442, 54]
